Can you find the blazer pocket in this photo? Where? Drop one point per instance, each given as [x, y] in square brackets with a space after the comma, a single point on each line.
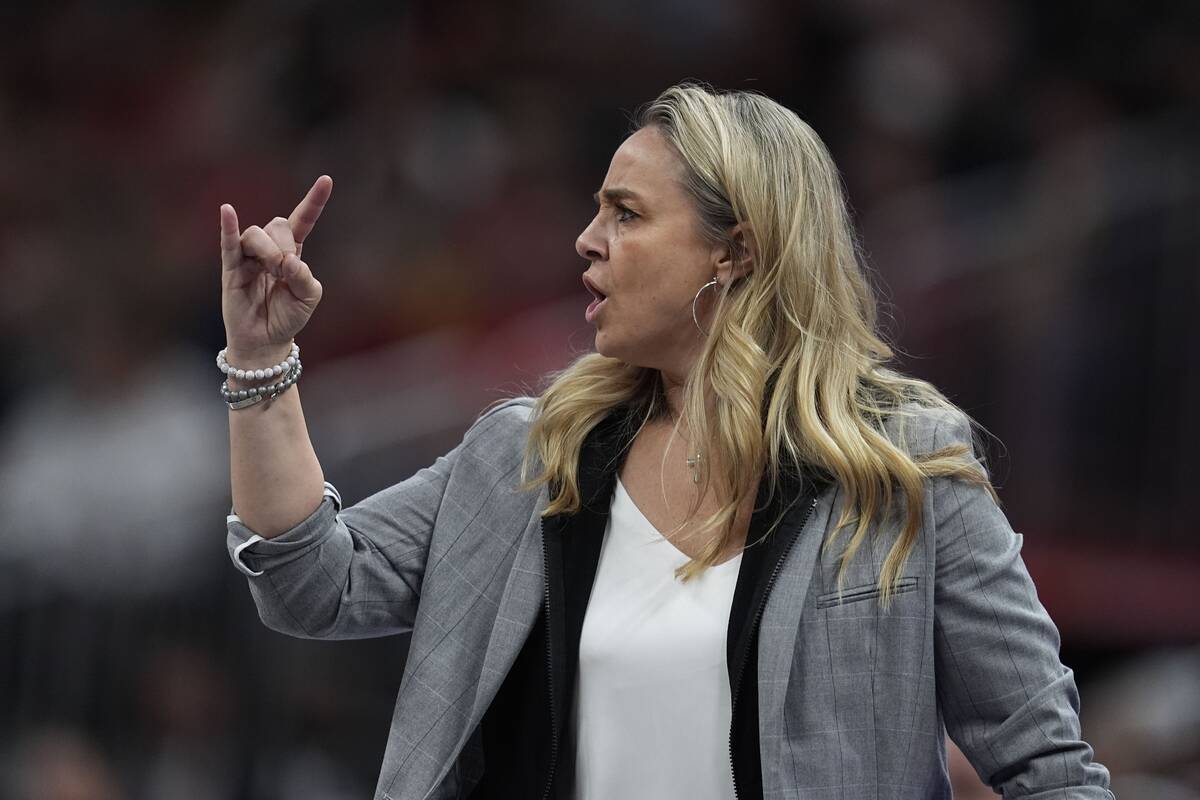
[855, 594]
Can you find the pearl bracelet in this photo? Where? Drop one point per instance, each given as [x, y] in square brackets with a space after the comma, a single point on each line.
[281, 368]
[244, 398]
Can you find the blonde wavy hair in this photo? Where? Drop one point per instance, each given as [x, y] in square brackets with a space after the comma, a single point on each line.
[793, 367]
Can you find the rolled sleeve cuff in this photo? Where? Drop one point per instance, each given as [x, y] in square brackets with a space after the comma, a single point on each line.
[248, 549]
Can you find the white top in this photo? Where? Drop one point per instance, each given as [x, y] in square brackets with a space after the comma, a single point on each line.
[652, 698]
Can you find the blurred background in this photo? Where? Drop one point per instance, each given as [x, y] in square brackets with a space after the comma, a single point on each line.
[1023, 175]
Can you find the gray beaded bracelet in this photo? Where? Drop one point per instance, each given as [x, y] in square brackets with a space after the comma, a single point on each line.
[281, 368]
[244, 398]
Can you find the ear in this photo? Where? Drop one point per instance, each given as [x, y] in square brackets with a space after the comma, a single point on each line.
[731, 263]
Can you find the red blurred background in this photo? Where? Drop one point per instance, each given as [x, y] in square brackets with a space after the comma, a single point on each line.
[1023, 175]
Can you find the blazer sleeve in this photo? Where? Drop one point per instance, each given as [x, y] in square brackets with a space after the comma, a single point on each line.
[1009, 703]
[356, 572]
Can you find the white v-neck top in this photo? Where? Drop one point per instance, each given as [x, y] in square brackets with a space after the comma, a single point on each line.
[651, 704]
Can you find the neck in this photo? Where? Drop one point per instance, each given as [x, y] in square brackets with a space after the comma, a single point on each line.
[673, 390]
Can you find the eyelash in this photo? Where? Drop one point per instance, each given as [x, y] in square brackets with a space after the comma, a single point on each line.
[622, 210]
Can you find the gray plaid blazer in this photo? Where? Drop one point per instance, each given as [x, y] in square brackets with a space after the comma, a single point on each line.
[853, 701]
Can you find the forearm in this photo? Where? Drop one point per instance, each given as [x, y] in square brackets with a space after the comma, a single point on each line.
[276, 479]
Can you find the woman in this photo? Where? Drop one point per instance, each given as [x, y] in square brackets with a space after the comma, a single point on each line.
[729, 553]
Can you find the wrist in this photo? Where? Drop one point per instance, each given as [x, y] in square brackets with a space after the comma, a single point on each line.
[257, 357]
[252, 366]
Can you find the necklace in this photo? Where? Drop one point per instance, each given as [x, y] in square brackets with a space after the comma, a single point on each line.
[693, 461]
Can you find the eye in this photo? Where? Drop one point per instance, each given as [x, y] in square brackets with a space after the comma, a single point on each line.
[621, 214]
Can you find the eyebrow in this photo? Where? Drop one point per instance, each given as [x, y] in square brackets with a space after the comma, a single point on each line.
[615, 194]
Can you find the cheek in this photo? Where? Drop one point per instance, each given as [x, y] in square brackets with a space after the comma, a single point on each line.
[652, 270]
[643, 269]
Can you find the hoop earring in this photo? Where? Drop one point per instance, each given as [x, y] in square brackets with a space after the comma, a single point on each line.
[713, 282]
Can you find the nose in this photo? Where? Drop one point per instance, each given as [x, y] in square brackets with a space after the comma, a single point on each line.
[590, 244]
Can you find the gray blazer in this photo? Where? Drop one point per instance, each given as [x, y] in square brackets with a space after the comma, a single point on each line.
[853, 701]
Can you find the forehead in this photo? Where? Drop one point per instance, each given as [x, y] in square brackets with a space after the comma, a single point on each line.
[646, 164]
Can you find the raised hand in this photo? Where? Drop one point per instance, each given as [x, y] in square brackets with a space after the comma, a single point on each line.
[268, 293]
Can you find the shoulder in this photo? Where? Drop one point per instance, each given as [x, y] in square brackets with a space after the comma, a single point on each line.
[509, 412]
[919, 429]
[503, 425]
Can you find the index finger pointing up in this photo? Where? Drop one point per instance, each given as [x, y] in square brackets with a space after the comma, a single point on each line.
[309, 211]
[231, 245]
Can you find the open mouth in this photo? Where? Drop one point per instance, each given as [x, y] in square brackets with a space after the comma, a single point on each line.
[598, 298]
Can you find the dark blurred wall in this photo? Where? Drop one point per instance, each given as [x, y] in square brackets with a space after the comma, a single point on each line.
[1024, 177]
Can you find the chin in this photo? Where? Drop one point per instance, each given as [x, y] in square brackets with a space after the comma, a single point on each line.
[605, 346]
[632, 353]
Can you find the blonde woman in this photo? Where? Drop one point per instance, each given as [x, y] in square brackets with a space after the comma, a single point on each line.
[729, 553]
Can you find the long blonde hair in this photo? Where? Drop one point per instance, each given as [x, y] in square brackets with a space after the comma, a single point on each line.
[793, 366]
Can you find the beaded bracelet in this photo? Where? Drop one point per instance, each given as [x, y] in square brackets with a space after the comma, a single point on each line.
[281, 368]
[244, 398]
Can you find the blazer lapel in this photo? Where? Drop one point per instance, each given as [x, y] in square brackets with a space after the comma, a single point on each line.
[519, 605]
[759, 560]
[779, 628]
[774, 533]
[515, 615]
[524, 593]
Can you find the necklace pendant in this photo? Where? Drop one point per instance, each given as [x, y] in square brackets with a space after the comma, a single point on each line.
[693, 463]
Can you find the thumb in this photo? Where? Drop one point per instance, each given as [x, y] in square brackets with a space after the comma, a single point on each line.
[300, 280]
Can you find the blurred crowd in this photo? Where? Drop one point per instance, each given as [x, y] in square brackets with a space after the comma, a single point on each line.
[1024, 178]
